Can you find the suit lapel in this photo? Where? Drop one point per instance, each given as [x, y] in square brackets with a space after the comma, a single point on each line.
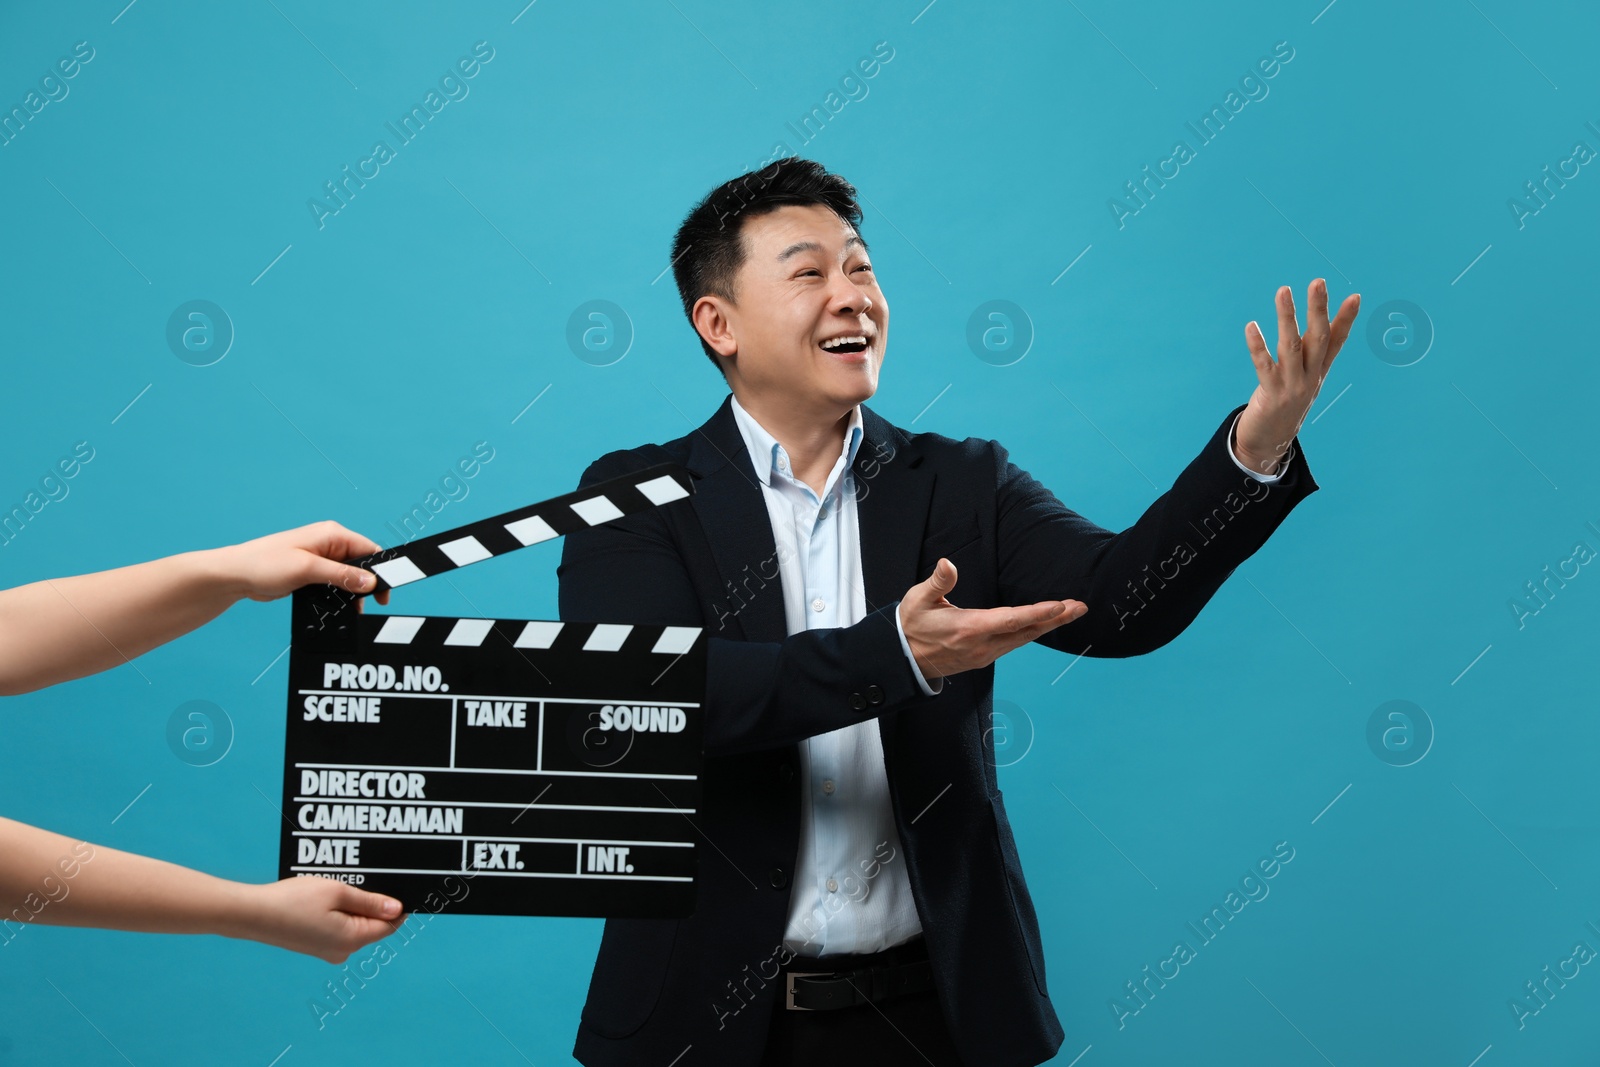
[733, 514]
[893, 491]
[892, 495]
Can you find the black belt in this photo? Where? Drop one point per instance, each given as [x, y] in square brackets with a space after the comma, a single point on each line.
[846, 987]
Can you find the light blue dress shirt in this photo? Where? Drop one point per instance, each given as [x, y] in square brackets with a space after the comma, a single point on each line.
[851, 891]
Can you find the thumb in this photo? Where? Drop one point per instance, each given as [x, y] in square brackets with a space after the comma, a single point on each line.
[350, 579]
[376, 905]
[943, 578]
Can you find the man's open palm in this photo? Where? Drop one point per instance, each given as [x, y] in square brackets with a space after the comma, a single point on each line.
[947, 640]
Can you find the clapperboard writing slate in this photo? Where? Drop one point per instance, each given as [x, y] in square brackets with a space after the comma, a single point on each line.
[556, 763]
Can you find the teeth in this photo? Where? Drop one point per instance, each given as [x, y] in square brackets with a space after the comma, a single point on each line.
[835, 342]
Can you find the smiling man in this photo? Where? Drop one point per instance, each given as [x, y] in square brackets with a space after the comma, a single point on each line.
[859, 888]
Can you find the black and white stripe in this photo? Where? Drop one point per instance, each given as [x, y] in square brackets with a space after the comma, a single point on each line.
[430, 631]
[556, 517]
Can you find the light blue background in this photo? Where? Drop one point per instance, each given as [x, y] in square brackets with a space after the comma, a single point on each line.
[432, 310]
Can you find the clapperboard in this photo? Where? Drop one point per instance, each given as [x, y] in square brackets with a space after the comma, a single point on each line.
[555, 763]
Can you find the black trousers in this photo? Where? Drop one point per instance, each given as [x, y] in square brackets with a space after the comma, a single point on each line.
[906, 1030]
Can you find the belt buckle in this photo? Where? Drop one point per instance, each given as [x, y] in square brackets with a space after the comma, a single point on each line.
[790, 976]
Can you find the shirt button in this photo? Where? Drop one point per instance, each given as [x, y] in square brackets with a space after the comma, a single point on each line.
[827, 785]
[833, 886]
[818, 604]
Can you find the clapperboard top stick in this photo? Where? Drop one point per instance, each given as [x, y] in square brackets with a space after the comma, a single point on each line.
[530, 525]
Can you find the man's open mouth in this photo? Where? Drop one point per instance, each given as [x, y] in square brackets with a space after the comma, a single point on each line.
[850, 344]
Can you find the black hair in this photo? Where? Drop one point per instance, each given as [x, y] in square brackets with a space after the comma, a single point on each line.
[708, 249]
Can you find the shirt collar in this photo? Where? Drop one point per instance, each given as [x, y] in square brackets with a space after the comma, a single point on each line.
[765, 450]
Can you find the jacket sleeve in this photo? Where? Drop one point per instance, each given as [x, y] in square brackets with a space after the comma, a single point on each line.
[759, 695]
[1146, 584]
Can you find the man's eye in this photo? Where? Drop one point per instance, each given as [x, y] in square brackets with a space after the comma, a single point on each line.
[813, 270]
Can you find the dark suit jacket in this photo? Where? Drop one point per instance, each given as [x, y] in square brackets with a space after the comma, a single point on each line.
[704, 983]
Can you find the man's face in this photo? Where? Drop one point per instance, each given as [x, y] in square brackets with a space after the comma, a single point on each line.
[806, 281]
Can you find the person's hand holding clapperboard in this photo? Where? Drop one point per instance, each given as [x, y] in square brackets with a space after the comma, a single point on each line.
[59, 629]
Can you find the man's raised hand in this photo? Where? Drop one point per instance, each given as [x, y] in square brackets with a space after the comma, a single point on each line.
[1289, 386]
[947, 640]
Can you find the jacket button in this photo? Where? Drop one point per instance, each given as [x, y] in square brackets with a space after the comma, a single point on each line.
[874, 695]
[858, 702]
[780, 878]
[786, 772]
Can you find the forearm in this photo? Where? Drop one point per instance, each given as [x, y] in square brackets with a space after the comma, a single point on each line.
[64, 628]
[1146, 584]
[763, 695]
[48, 878]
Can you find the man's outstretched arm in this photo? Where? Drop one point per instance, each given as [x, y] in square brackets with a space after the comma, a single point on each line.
[1144, 585]
[762, 695]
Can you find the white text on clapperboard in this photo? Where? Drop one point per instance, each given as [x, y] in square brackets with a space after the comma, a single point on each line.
[368, 679]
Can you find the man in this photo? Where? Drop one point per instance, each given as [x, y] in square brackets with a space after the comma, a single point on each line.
[858, 583]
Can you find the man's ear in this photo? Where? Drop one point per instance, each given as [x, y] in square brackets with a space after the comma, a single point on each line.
[711, 320]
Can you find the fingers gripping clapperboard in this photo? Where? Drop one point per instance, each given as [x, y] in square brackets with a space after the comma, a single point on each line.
[552, 762]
